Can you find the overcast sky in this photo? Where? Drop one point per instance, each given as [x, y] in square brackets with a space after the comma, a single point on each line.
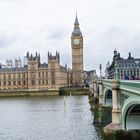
[46, 25]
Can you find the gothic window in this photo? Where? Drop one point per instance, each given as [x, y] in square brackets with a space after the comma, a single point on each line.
[124, 72]
[9, 75]
[53, 78]
[18, 75]
[138, 72]
[14, 83]
[134, 72]
[131, 72]
[9, 83]
[14, 75]
[4, 83]
[23, 75]
[33, 82]
[42, 74]
[24, 83]
[4, 76]
[33, 75]
[46, 82]
[33, 78]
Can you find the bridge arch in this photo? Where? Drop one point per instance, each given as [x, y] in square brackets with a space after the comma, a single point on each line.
[131, 114]
[107, 97]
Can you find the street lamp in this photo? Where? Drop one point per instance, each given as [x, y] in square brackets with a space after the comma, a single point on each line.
[100, 67]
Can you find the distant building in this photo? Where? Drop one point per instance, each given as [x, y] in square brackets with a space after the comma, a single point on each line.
[128, 68]
[89, 76]
[36, 76]
[106, 70]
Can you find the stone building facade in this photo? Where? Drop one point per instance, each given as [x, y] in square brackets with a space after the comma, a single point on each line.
[89, 76]
[128, 68]
[36, 76]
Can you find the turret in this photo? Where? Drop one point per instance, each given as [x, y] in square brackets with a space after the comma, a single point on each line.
[33, 58]
[27, 56]
[54, 57]
[129, 56]
[115, 57]
[115, 52]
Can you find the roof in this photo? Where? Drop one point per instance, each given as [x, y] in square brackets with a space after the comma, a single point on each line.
[44, 65]
[129, 62]
[76, 21]
[76, 31]
[13, 69]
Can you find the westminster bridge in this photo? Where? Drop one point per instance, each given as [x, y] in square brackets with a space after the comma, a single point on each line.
[123, 96]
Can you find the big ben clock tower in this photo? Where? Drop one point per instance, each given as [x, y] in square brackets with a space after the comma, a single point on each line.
[77, 55]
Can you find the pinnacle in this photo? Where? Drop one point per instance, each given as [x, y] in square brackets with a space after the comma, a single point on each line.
[76, 20]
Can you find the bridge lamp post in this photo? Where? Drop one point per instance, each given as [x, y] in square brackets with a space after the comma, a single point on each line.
[100, 87]
[100, 67]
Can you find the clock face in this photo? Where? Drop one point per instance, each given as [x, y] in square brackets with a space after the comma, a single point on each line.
[76, 41]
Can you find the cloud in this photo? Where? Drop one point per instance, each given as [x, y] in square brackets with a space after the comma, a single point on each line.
[46, 25]
[56, 32]
[5, 41]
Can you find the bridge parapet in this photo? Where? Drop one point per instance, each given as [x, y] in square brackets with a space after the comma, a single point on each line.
[107, 83]
[130, 86]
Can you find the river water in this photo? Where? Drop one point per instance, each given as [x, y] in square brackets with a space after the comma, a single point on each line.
[46, 118]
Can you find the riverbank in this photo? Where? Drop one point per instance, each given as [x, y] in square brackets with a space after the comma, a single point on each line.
[73, 91]
[7, 93]
[48, 92]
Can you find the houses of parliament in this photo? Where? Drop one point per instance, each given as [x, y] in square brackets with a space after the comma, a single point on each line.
[52, 75]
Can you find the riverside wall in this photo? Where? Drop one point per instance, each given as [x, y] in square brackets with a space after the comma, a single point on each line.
[48, 92]
[8, 93]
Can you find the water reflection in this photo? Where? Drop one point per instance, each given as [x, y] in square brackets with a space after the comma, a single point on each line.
[46, 118]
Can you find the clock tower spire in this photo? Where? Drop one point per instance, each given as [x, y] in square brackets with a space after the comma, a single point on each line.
[76, 30]
[77, 54]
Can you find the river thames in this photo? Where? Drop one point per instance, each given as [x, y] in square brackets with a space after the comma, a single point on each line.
[46, 118]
